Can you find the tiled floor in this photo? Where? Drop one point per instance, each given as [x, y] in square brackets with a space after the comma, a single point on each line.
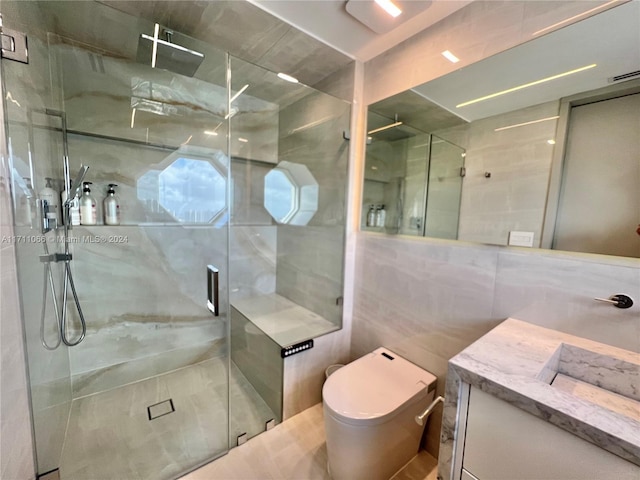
[294, 450]
[110, 436]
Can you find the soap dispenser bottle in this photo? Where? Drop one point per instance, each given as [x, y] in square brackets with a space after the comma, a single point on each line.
[371, 216]
[88, 215]
[381, 217]
[74, 207]
[111, 206]
[49, 195]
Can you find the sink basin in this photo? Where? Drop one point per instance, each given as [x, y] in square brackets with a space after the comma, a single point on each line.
[610, 382]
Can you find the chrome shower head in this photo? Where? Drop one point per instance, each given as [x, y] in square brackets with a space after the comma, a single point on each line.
[168, 55]
[73, 191]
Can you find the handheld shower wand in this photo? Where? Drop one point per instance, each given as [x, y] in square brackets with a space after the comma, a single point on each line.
[73, 191]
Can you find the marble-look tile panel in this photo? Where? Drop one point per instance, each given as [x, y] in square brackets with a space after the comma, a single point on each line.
[130, 371]
[252, 261]
[410, 298]
[309, 268]
[304, 373]
[303, 57]
[160, 300]
[557, 290]
[340, 83]
[258, 358]
[519, 161]
[238, 27]
[247, 179]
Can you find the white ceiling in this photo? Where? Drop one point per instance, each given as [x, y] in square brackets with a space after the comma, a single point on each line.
[329, 22]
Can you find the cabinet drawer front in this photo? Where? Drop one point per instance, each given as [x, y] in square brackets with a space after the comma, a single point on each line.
[506, 443]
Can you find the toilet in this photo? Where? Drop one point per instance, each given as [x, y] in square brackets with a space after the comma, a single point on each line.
[369, 415]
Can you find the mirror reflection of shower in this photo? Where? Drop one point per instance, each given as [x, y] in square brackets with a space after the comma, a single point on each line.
[48, 210]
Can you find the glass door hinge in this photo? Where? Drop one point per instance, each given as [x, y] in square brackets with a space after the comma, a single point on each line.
[14, 45]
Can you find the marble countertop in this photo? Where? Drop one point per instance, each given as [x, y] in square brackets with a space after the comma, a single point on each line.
[528, 366]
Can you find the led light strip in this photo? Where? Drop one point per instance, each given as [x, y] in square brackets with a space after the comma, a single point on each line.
[376, 130]
[157, 41]
[573, 18]
[526, 85]
[526, 123]
[154, 53]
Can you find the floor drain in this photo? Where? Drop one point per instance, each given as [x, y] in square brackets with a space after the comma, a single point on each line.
[160, 409]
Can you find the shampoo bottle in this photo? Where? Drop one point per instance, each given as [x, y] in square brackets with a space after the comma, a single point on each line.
[111, 206]
[88, 215]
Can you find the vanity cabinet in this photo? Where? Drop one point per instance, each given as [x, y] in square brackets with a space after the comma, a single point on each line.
[503, 442]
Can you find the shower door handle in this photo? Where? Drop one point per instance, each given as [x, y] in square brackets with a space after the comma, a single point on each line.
[212, 290]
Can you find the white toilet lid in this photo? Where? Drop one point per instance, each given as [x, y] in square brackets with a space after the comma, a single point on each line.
[372, 388]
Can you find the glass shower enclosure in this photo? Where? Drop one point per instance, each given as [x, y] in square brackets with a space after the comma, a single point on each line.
[413, 176]
[136, 366]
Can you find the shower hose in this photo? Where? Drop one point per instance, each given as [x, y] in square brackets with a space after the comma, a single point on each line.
[60, 315]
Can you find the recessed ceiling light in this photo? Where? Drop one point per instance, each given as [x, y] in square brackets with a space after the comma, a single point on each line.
[389, 7]
[551, 141]
[211, 132]
[288, 78]
[450, 56]
[239, 93]
[526, 123]
[243, 140]
[526, 85]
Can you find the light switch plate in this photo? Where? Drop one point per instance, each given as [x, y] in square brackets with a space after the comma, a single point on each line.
[521, 239]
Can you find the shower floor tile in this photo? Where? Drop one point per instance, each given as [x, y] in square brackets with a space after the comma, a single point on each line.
[110, 436]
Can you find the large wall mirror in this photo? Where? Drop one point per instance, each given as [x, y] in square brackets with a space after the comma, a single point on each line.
[537, 146]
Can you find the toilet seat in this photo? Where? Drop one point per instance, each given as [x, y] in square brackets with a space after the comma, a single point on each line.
[374, 388]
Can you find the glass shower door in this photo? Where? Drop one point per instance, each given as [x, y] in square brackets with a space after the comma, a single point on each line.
[145, 393]
[444, 189]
